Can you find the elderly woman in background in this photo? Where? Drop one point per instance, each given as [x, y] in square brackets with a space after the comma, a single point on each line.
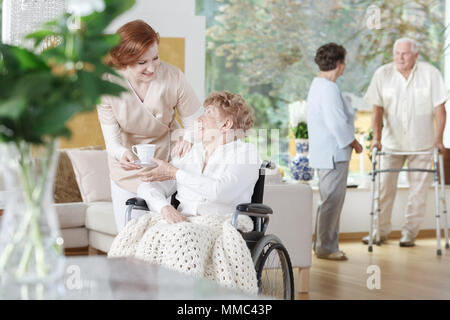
[331, 141]
[217, 174]
[146, 113]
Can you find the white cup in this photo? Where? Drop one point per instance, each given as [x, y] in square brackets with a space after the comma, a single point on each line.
[144, 152]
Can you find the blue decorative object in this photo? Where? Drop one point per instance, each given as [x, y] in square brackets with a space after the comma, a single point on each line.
[302, 146]
[299, 164]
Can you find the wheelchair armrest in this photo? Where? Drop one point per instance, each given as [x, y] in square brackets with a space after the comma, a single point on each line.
[257, 208]
[138, 203]
[258, 211]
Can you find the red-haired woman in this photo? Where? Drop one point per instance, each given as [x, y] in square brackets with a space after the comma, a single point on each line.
[146, 113]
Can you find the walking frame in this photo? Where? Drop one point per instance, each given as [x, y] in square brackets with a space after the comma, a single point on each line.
[440, 202]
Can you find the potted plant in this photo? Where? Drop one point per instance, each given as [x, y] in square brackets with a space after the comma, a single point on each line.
[40, 90]
[299, 164]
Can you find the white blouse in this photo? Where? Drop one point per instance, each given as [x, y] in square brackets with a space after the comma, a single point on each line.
[227, 180]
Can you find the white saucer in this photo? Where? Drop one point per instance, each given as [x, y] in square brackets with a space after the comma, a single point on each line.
[145, 164]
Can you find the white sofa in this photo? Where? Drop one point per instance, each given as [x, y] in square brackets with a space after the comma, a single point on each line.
[92, 223]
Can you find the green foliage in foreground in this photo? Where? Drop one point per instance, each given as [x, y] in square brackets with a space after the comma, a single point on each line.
[40, 90]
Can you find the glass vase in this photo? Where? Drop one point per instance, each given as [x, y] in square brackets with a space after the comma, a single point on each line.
[31, 248]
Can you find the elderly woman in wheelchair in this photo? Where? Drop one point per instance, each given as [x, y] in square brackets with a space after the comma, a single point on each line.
[201, 236]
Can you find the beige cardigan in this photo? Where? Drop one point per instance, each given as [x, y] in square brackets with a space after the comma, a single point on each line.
[151, 121]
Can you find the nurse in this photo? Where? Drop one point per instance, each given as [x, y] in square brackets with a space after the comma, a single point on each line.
[145, 114]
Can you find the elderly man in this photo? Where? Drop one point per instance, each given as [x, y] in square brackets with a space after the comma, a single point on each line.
[408, 95]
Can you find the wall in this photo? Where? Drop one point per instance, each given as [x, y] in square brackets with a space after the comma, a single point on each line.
[355, 214]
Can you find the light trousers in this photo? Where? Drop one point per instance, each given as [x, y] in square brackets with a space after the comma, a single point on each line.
[332, 189]
[119, 197]
[417, 199]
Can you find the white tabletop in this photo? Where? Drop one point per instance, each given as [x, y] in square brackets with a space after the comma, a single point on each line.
[97, 277]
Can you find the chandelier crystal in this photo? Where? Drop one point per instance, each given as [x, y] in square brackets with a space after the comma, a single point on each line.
[24, 16]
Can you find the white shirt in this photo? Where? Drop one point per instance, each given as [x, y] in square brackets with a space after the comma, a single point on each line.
[227, 180]
[330, 125]
[408, 105]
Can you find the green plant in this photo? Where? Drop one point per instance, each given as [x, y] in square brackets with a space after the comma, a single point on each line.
[369, 139]
[300, 131]
[40, 90]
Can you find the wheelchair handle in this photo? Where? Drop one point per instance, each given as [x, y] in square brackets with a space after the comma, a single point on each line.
[268, 165]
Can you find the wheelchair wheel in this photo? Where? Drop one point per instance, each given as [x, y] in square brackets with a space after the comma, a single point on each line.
[273, 268]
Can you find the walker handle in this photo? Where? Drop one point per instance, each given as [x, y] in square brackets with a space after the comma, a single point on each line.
[436, 154]
[374, 154]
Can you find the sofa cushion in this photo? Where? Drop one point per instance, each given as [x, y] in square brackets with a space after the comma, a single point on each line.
[66, 186]
[71, 215]
[92, 174]
[100, 217]
[75, 237]
[100, 241]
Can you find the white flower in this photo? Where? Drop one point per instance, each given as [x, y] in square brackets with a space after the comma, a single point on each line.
[297, 112]
[85, 7]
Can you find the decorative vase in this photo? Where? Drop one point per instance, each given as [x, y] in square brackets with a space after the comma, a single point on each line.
[31, 248]
[299, 164]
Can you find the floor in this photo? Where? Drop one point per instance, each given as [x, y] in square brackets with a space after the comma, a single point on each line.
[404, 273]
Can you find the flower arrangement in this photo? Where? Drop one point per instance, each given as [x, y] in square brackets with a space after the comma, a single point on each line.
[299, 164]
[297, 120]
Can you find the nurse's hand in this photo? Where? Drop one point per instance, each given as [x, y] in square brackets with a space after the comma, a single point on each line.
[164, 171]
[172, 215]
[127, 161]
[181, 148]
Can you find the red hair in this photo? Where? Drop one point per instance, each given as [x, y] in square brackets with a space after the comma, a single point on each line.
[135, 39]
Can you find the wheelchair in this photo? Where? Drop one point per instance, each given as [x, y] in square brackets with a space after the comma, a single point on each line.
[270, 257]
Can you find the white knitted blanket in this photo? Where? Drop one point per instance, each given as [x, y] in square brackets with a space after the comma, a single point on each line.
[207, 246]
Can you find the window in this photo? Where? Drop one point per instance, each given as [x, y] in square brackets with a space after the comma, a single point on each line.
[265, 49]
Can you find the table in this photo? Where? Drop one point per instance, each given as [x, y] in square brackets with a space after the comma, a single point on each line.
[97, 277]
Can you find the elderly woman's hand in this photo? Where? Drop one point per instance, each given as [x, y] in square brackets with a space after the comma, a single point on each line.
[181, 148]
[172, 215]
[164, 171]
[357, 146]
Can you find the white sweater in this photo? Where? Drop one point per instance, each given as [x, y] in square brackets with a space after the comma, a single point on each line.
[227, 180]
